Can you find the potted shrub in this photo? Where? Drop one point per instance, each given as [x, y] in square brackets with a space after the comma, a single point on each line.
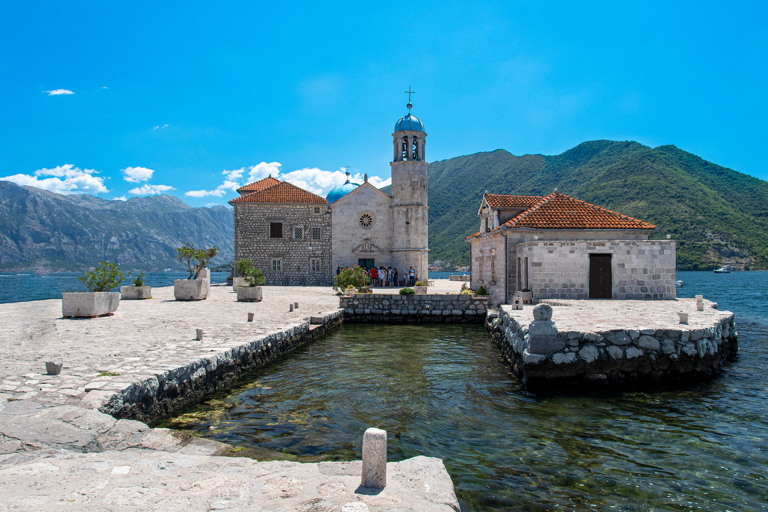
[254, 279]
[137, 290]
[98, 300]
[194, 287]
[420, 288]
[238, 280]
[351, 280]
[407, 291]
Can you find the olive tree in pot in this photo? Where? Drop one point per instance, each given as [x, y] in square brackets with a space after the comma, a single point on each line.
[254, 279]
[137, 290]
[194, 287]
[98, 300]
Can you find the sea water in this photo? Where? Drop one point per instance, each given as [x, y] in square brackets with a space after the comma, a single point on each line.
[443, 391]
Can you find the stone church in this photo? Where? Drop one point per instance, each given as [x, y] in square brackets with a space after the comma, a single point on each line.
[299, 238]
[559, 247]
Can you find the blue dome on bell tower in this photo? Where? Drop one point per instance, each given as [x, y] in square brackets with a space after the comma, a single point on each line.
[409, 122]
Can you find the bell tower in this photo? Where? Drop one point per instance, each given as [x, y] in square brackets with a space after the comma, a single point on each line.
[410, 229]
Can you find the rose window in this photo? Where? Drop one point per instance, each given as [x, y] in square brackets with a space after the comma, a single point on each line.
[366, 220]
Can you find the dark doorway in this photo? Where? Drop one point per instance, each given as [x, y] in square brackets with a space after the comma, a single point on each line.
[600, 278]
[365, 263]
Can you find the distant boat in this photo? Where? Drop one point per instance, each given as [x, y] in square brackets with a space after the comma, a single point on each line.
[725, 269]
[679, 284]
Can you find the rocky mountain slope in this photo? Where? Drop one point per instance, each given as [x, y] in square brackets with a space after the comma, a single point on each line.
[40, 229]
[717, 215]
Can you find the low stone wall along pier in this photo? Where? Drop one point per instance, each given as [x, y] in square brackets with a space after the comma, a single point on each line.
[614, 342]
[427, 309]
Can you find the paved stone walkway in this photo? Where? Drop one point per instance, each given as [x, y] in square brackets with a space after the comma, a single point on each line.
[58, 451]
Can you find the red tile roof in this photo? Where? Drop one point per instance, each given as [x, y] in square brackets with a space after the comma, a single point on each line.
[281, 193]
[506, 201]
[559, 211]
[258, 185]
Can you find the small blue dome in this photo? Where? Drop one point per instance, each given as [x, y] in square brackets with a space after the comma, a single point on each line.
[340, 191]
[409, 122]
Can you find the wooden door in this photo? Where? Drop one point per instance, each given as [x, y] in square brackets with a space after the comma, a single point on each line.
[600, 278]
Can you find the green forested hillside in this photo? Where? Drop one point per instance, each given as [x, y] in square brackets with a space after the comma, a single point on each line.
[717, 215]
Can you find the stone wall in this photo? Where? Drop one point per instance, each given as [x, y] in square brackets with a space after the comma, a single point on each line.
[540, 355]
[428, 309]
[641, 269]
[463, 278]
[253, 242]
[163, 395]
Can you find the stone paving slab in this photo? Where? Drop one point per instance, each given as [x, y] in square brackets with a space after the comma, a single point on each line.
[606, 315]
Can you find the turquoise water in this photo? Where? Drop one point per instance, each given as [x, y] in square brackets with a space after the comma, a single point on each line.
[443, 392]
[26, 286]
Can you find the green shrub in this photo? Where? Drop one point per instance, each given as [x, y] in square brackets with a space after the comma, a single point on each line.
[252, 275]
[139, 279]
[354, 276]
[481, 291]
[407, 291]
[420, 283]
[105, 277]
[195, 259]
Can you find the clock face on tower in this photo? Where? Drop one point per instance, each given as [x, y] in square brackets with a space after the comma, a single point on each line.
[366, 220]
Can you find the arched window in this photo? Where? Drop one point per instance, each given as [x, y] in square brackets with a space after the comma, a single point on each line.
[404, 155]
[415, 149]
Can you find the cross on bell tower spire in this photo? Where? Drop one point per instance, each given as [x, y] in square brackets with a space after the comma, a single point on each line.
[409, 92]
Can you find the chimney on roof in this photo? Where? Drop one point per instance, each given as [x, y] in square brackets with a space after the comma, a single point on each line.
[555, 190]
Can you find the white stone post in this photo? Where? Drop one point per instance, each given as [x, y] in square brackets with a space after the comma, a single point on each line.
[374, 458]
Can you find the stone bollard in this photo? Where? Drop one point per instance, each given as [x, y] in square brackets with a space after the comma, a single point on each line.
[295, 305]
[52, 368]
[699, 306]
[290, 307]
[683, 317]
[699, 298]
[374, 458]
[199, 334]
[250, 317]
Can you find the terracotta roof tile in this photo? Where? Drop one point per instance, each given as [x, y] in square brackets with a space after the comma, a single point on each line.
[473, 235]
[281, 193]
[506, 201]
[258, 185]
[559, 211]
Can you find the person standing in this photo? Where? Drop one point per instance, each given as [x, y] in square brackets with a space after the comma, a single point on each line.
[373, 276]
[411, 276]
[394, 278]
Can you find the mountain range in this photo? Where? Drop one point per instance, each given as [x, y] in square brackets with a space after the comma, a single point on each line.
[715, 214]
[41, 229]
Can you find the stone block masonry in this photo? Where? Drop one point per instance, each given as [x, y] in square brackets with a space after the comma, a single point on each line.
[426, 309]
[162, 395]
[615, 343]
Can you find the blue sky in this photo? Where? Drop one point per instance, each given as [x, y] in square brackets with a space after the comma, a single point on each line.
[191, 98]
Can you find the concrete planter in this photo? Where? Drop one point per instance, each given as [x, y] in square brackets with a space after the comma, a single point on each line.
[249, 294]
[89, 304]
[349, 293]
[238, 282]
[420, 290]
[135, 292]
[526, 296]
[190, 289]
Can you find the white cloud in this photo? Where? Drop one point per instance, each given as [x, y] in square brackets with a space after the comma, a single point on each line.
[147, 189]
[159, 127]
[121, 198]
[262, 170]
[58, 92]
[137, 174]
[64, 179]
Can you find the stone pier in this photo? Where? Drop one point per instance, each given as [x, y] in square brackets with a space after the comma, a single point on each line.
[614, 342]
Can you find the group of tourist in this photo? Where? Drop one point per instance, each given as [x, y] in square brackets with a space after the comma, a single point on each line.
[387, 276]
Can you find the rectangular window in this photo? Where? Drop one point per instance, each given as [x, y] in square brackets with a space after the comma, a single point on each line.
[317, 210]
[315, 264]
[275, 230]
[276, 266]
[316, 232]
[298, 232]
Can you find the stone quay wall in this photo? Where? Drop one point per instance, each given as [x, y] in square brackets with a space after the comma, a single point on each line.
[427, 309]
[540, 355]
[163, 395]
[460, 278]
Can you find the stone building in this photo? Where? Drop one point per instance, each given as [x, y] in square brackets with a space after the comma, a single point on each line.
[560, 247]
[355, 224]
[285, 231]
